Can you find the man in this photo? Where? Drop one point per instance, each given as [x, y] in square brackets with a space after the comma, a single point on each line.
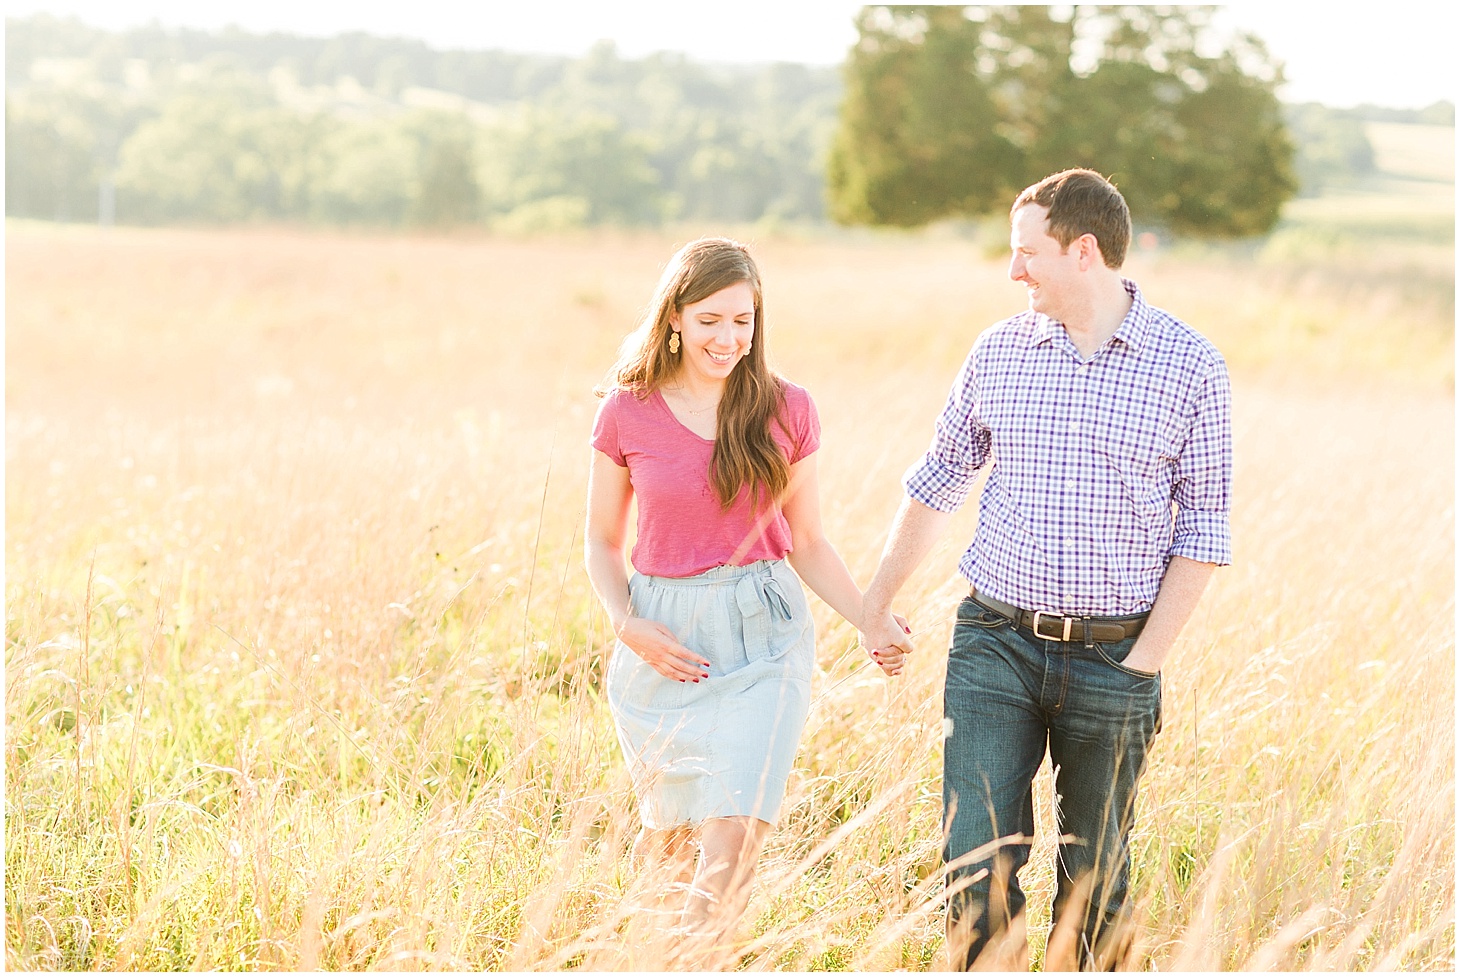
[1106, 427]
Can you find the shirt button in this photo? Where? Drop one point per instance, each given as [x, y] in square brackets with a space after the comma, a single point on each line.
[1070, 484]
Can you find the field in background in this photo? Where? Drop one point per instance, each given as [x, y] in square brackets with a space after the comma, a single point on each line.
[1401, 220]
[302, 669]
[335, 699]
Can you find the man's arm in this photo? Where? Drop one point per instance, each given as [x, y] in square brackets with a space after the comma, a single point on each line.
[914, 531]
[936, 486]
[1201, 537]
[1181, 588]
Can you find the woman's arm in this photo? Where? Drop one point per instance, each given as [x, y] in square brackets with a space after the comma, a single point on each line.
[609, 494]
[816, 561]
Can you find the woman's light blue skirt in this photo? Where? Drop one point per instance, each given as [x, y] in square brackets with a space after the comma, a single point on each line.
[723, 747]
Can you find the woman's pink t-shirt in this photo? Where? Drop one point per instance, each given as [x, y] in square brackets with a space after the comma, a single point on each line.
[682, 529]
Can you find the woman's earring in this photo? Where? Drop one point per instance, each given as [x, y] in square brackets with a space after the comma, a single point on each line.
[674, 342]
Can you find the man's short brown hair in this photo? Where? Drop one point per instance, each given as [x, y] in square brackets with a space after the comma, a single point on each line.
[1083, 202]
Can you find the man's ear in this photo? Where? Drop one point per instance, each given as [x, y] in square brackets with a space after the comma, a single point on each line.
[1089, 252]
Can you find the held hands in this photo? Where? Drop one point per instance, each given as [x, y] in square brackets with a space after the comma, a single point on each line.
[658, 646]
[887, 638]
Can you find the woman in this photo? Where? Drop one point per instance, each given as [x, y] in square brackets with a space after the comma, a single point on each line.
[710, 680]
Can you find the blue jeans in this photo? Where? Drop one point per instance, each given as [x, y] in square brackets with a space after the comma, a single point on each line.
[1008, 695]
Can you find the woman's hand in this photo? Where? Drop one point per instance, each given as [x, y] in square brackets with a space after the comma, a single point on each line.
[659, 648]
[890, 656]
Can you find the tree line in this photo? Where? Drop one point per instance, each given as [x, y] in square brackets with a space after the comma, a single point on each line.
[227, 126]
[938, 112]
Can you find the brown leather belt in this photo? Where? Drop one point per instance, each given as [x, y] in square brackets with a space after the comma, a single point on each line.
[1055, 627]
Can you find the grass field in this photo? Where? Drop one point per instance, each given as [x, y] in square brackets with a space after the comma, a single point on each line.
[302, 668]
[1400, 219]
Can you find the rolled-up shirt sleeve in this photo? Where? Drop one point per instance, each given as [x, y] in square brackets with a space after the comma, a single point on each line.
[1202, 490]
[942, 478]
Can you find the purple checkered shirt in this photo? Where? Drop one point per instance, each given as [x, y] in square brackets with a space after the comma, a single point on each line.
[1101, 469]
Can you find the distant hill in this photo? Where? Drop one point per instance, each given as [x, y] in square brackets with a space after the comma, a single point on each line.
[1441, 113]
[46, 47]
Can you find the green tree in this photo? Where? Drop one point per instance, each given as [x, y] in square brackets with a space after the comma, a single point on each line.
[949, 110]
[60, 147]
[216, 158]
[365, 173]
[587, 163]
[447, 193]
[919, 135]
[51, 166]
[1232, 160]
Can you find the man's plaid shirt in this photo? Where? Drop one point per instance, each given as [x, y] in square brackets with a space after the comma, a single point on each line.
[1100, 470]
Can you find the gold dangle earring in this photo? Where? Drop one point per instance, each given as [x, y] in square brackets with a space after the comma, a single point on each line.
[674, 342]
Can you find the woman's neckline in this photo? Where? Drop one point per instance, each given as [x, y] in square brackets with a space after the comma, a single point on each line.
[664, 404]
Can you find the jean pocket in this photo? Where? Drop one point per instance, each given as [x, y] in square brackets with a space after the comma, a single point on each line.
[1119, 665]
[988, 619]
[974, 613]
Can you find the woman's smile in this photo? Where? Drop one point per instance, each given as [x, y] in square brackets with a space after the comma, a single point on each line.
[717, 332]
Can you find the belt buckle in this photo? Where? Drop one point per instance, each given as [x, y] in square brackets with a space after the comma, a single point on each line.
[1069, 623]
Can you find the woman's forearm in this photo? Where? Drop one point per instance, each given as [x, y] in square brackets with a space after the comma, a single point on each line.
[820, 567]
[610, 580]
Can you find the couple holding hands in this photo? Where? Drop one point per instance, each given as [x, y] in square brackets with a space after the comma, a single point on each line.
[1105, 425]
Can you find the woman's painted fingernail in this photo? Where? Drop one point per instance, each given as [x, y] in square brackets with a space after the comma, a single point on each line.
[907, 630]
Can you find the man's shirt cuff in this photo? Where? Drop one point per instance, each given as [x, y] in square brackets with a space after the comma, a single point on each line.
[1205, 537]
[936, 485]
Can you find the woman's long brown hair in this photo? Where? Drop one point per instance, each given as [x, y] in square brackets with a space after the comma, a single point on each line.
[745, 454]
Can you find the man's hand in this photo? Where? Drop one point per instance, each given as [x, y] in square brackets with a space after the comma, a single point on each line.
[886, 638]
[1147, 658]
[658, 646]
[1181, 588]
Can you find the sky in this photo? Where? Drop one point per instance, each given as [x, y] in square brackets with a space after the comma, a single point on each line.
[1346, 55]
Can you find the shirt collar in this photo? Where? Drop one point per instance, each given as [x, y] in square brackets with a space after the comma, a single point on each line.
[1136, 326]
[1045, 329]
[1133, 329]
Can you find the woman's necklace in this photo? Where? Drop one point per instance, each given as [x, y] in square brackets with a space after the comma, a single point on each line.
[684, 403]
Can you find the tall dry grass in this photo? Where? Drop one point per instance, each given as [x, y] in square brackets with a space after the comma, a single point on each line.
[302, 669]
